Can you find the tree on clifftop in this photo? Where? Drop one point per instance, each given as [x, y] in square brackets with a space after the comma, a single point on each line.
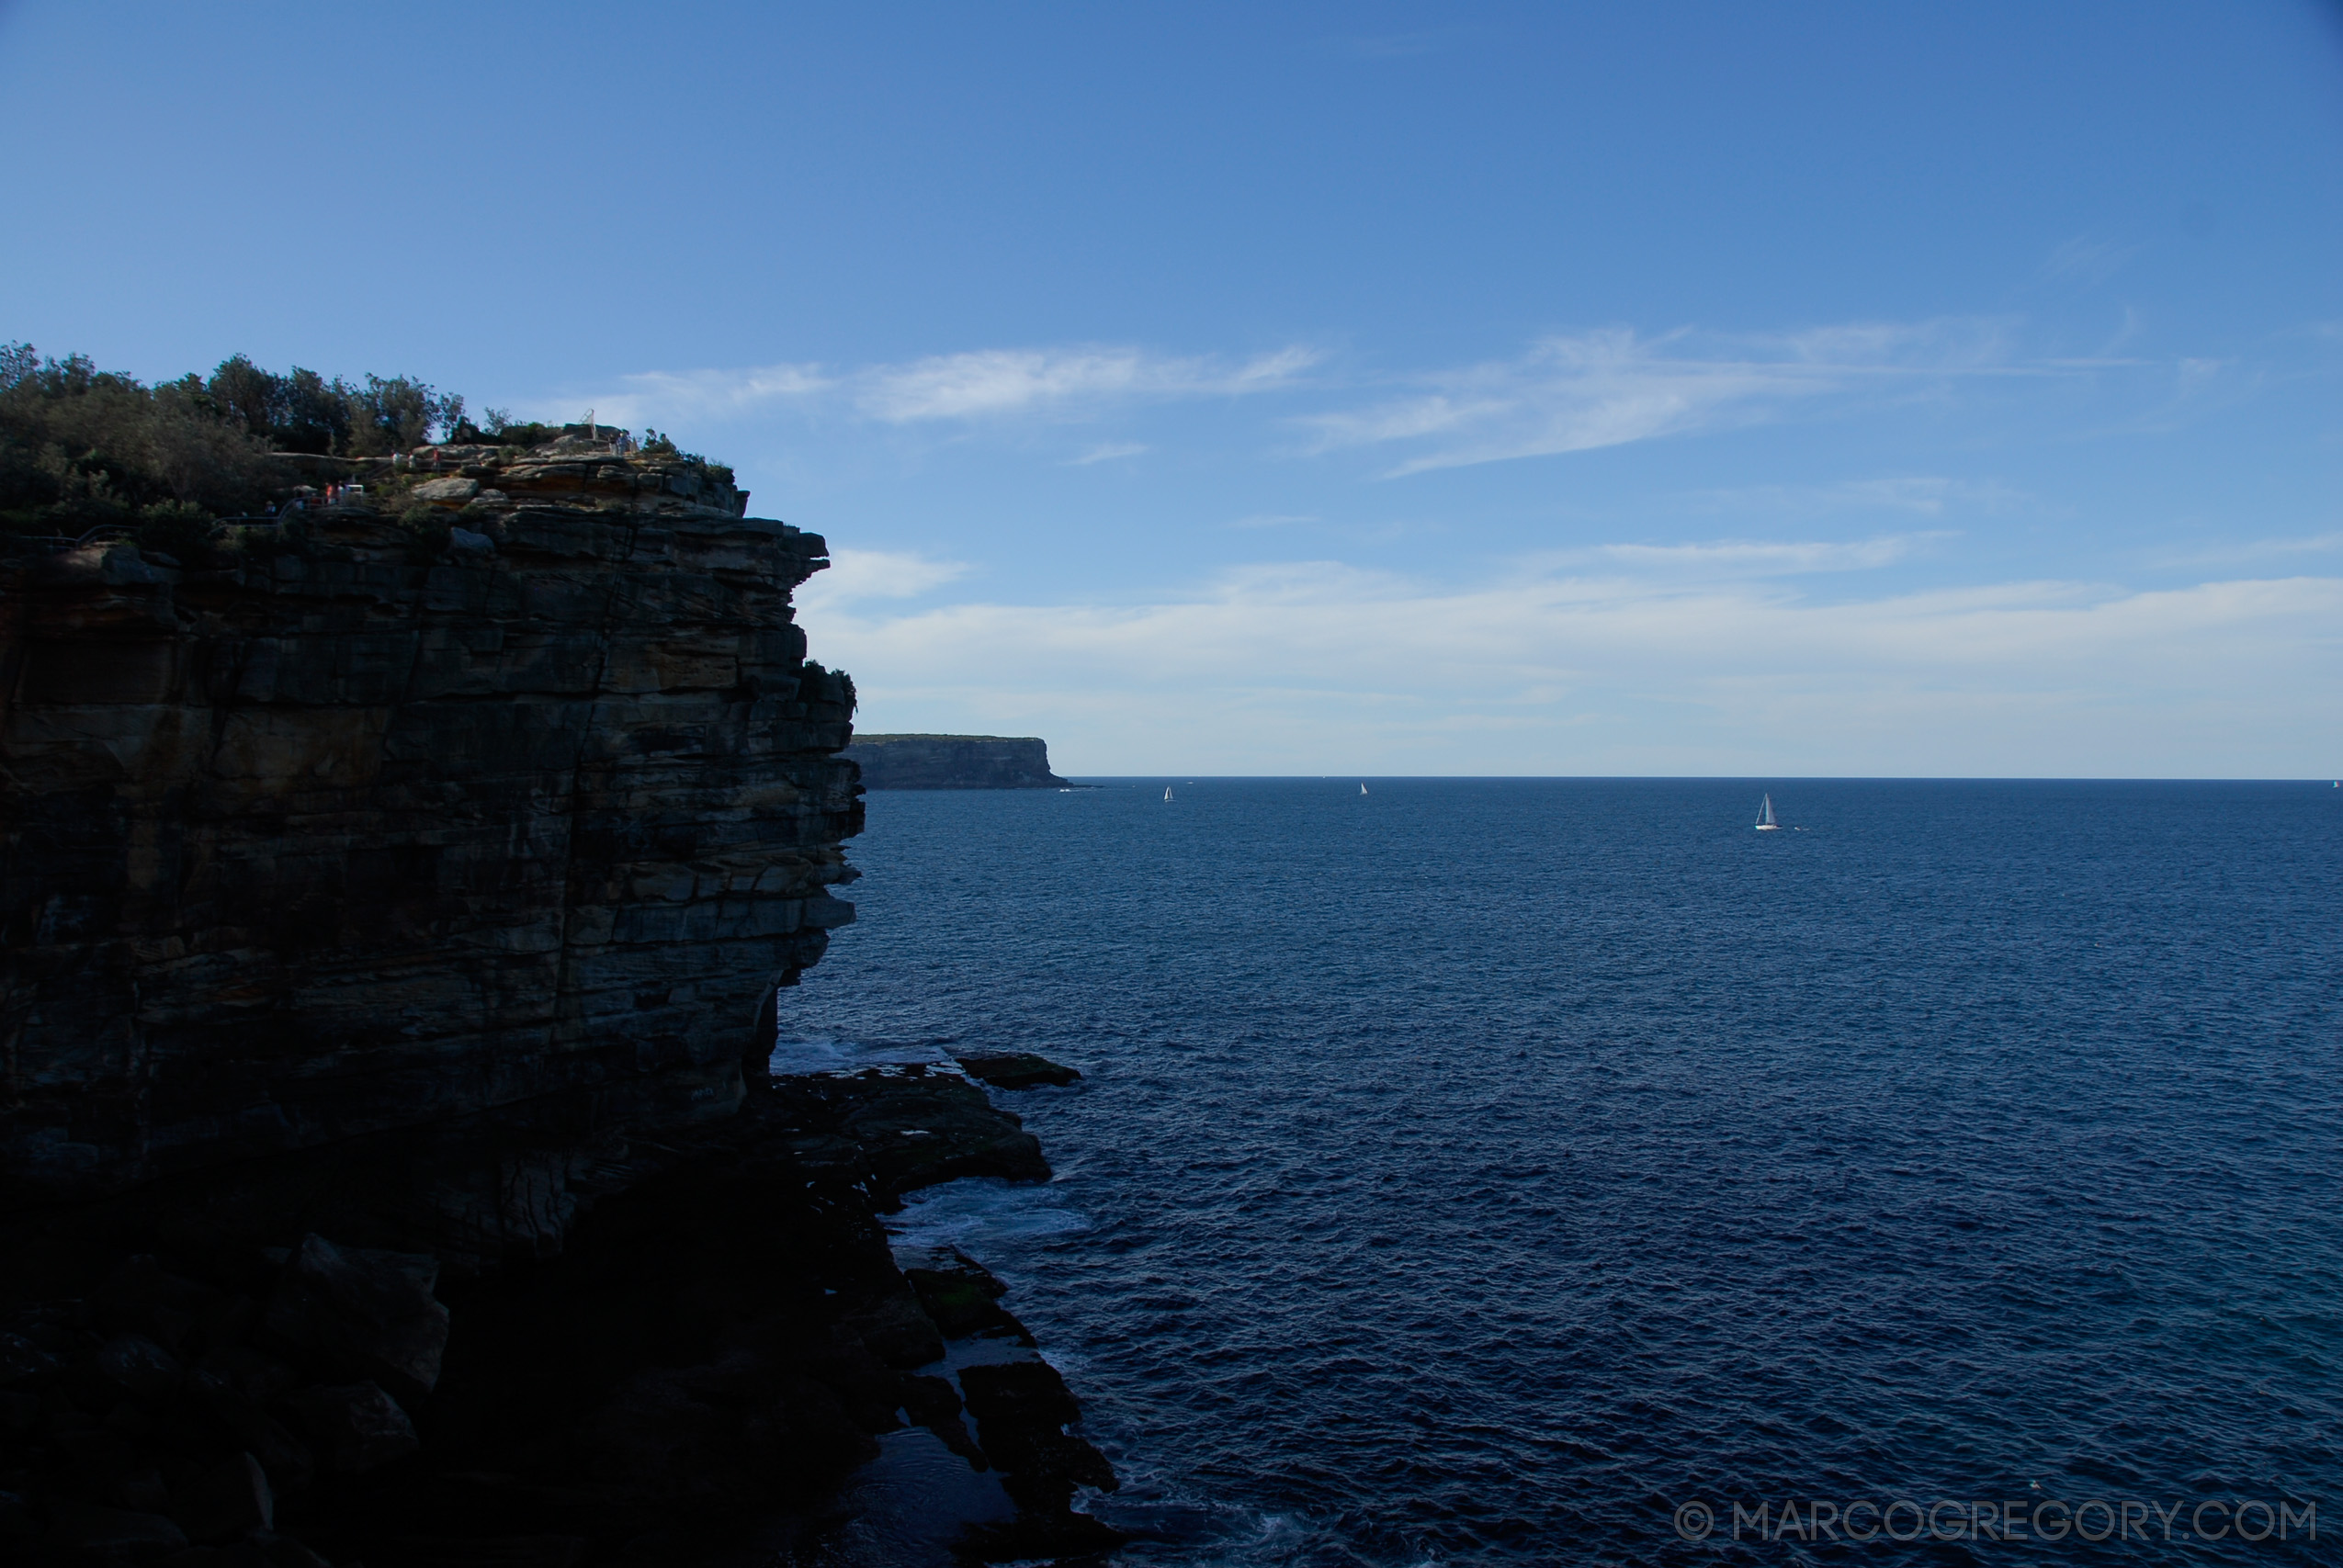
[302, 411]
[81, 447]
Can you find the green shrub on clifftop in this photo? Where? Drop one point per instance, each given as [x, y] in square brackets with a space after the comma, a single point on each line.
[81, 447]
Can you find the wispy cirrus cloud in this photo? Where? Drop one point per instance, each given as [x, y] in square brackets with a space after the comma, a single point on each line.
[668, 395]
[2253, 550]
[1927, 495]
[988, 384]
[1106, 453]
[1614, 387]
[1565, 393]
[1010, 381]
[1746, 558]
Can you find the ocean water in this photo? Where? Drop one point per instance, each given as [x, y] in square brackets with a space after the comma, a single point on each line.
[1484, 1170]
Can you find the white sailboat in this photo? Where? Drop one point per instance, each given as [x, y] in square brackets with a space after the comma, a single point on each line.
[1765, 822]
[1167, 792]
[1363, 789]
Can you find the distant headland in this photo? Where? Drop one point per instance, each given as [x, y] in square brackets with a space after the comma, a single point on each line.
[952, 761]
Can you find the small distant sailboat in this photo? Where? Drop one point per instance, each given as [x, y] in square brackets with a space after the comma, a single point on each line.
[1167, 792]
[1363, 789]
[1765, 822]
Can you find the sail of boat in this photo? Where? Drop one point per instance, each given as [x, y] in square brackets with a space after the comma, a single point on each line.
[1167, 792]
[1765, 822]
[1363, 789]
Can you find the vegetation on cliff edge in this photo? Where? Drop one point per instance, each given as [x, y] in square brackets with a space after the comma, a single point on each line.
[81, 447]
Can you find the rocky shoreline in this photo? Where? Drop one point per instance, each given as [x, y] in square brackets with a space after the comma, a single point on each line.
[717, 1348]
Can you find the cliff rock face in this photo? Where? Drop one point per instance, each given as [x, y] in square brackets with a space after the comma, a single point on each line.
[391, 894]
[952, 761]
[504, 800]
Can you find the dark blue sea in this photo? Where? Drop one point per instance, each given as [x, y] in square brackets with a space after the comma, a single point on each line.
[1486, 1170]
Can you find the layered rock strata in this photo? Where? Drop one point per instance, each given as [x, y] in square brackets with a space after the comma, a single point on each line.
[952, 761]
[503, 800]
[392, 894]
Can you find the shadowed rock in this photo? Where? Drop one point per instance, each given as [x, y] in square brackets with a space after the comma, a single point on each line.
[363, 1312]
[226, 1503]
[139, 1367]
[80, 1531]
[958, 1293]
[357, 1425]
[1018, 1069]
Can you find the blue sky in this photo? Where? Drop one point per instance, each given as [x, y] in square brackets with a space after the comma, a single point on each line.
[1788, 389]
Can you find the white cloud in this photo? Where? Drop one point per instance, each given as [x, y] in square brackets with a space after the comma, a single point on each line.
[1566, 393]
[1749, 557]
[1308, 666]
[857, 575]
[1003, 381]
[663, 397]
[1609, 388]
[2254, 550]
[985, 384]
[1106, 453]
[1927, 495]
[958, 385]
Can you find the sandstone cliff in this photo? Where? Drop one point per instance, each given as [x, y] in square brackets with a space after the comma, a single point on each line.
[952, 761]
[392, 892]
[501, 801]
